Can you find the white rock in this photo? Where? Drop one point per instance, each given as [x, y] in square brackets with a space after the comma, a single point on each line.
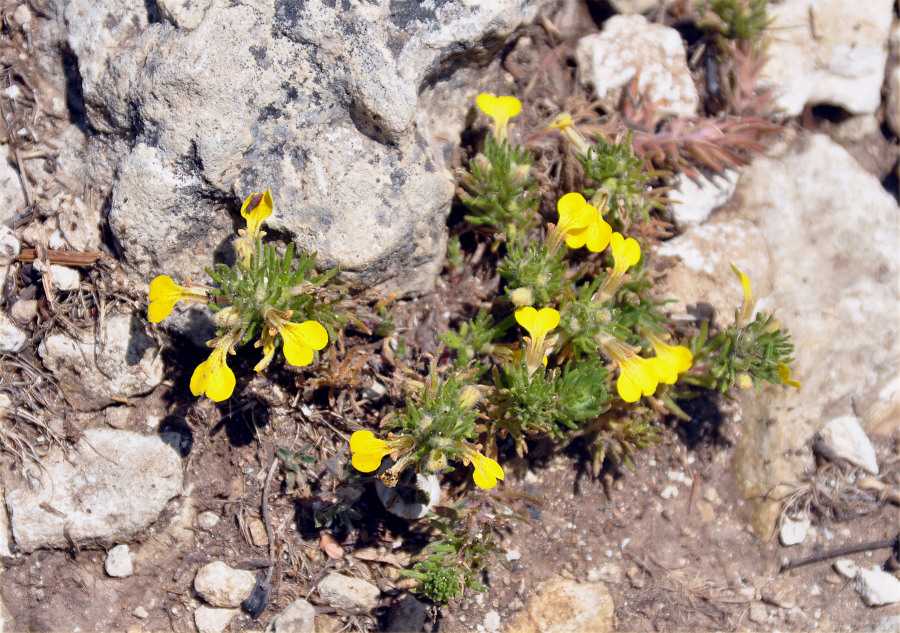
[24, 310]
[889, 624]
[12, 198]
[877, 587]
[694, 200]
[212, 620]
[610, 59]
[119, 562]
[346, 593]
[857, 128]
[410, 507]
[634, 6]
[512, 555]
[560, 605]
[668, 492]
[492, 621]
[224, 586]
[65, 278]
[9, 245]
[22, 14]
[109, 488]
[12, 339]
[846, 568]
[703, 275]
[827, 51]
[208, 519]
[843, 437]
[793, 532]
[93, 374]
[140, 613]
[298, 617]
[814, 206]
[184, 15]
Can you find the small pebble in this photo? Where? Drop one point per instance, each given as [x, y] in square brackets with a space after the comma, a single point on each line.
[793, 532]
[208, 519]
[668, 492]
[118, 562]
[846, 568]
[140, 612]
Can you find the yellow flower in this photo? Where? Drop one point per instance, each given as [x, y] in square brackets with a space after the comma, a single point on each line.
[368, 451]
[626, 253]
[538, 323]
[637, 376]
[300, 339]
[746, 312]
[213, 376]
[256, 208]
[595, 235]
[487, 471]
[564, 124]
[501, 110]
[784, 372]
[165, 293]
[574, 214]
[670, 360]
[267, 342]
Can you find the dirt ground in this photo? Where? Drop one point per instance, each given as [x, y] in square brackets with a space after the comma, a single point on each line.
[671, 540]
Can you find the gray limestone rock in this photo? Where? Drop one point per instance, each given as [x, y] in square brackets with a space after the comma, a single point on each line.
[224, 586]
[320, 101]
[347, 593]
[112, 485]
[298, 617]
[93, 373]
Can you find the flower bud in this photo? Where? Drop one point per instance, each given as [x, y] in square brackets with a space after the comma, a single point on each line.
[744, 381]
[519, 175]
[521, 297]
[437, 461]
[483, 164]
[226, 317]
[469, 396]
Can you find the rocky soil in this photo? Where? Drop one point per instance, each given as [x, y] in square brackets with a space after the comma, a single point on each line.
[132, 131]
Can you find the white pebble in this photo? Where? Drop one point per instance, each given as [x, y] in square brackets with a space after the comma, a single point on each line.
[118, 562]
[668, 492]
[512, 555]
[877, 587]
[846, 568]
[793, 532]
[492, 621]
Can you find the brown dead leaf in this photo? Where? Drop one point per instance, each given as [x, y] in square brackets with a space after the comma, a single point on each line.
[331, 547]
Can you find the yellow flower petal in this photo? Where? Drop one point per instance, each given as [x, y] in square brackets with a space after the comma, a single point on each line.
[164, 294]
[300, 339]
[537, 322]
[637, 377]
[487, 471]
[598, 233]
[368, 451]
[784, 372]
[745, 283]
[562, 122]
[256, 214]
[501, 110]
[213, 377]
[671, 360]
[626, 253]
[575, 214]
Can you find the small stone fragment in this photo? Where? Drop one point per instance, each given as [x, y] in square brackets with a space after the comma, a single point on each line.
[759, 613]
[223, 586]
[793, 531]
[846, 568]
[877, 587]
[298, 617]
[211, 620]
[258, 533]
[12, 339]
[348, 594]
[208, 519]
[492, 622]
[119, 563]
[561, 605]
[9, 245]
[140, 613]
[24, 310]
[843, 437]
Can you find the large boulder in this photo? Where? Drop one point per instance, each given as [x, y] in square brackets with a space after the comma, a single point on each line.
[317, 100]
